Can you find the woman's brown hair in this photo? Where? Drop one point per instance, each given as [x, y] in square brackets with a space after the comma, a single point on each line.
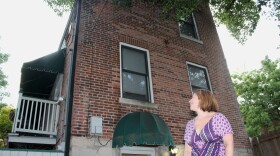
[207, 100]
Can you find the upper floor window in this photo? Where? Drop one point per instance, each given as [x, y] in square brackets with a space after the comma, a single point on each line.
[198, 76]
[135, 73]
[188, 28]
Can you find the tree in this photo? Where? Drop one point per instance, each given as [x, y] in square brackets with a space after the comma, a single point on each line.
[3, 78]
[258, 92]
[60, 6]
[5, 123]
[239, 16]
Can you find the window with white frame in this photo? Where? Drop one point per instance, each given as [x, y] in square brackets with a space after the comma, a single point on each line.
[135, 73]
[187, 27]
[198, 76]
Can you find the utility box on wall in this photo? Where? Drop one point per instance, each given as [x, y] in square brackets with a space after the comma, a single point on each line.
[96, 126]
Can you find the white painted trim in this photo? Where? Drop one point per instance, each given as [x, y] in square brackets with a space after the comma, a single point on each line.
[137, 103]
[149, 68]
[138, 150]
[32, 139]
[200, 66]
[190, 38]
[195, 26]
[29, 152]
[48, 125]
[16, 113]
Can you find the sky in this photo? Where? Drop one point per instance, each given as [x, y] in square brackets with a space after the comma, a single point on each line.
[30, 30]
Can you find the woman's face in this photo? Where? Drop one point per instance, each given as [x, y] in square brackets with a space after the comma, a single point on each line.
[194, 103]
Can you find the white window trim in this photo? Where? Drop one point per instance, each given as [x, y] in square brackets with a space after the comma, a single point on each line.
[196, 30]
[150, 74]
[200, 66]
[137, 103]
[138, 150]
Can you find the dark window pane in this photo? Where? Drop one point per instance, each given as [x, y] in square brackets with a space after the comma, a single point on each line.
[134, 86]
[134, 60]
[187, 29]
[198, 77]
[190, 20]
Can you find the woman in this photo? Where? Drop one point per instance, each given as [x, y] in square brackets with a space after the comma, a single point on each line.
[209, 133]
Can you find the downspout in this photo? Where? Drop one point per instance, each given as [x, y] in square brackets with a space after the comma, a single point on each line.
[71, 84]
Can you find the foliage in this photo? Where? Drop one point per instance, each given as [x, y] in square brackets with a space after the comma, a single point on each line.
[3, 78]
[5, 122]
[259, 96]
[3, 105]
[239, 16]
[60, 6]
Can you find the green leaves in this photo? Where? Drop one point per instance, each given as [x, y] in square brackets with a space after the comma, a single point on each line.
[260, 94]
[255, 119]
[3, 78]
[60, 6]
[5, 123]
[239, 16]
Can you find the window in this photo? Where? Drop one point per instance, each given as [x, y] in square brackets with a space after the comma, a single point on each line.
[198, 76]
[135, 73]
[188, 28]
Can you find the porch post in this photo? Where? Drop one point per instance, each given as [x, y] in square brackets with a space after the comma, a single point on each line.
[16, 113]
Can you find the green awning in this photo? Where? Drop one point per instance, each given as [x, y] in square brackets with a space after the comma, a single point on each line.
[141, 128]
[38, 76]
[52, 63]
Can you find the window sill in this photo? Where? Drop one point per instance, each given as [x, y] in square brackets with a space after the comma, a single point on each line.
[137, 103]
[192, 39]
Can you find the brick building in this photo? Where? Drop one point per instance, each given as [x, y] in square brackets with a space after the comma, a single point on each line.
[126, 66]
[130, 60]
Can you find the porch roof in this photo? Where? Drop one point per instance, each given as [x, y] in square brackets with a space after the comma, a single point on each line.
[52, 63]
[141, 128]
[38, 76]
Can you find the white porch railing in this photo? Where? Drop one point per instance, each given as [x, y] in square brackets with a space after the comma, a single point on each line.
[36, 116]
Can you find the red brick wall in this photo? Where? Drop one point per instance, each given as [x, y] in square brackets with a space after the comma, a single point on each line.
[97, 78]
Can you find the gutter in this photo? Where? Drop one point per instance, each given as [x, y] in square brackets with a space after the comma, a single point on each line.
[65, 31]
[69, 99]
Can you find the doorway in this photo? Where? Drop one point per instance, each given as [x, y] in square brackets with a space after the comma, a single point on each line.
[137, 151]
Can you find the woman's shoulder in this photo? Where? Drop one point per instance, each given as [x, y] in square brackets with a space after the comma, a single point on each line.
[221, 125]
[190, 123]
[220, 116]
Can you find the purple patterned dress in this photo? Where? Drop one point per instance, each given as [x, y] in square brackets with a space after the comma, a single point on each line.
[210, 140]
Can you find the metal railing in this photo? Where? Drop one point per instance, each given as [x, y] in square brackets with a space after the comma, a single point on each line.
[36, 116]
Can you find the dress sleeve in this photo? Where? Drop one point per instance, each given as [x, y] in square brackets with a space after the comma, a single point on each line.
[221, 125]
[189, 131]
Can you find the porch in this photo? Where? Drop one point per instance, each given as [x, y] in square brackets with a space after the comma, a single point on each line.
[35, 121]
[36, 116]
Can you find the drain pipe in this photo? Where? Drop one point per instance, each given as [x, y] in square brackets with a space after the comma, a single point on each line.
[71, 84]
